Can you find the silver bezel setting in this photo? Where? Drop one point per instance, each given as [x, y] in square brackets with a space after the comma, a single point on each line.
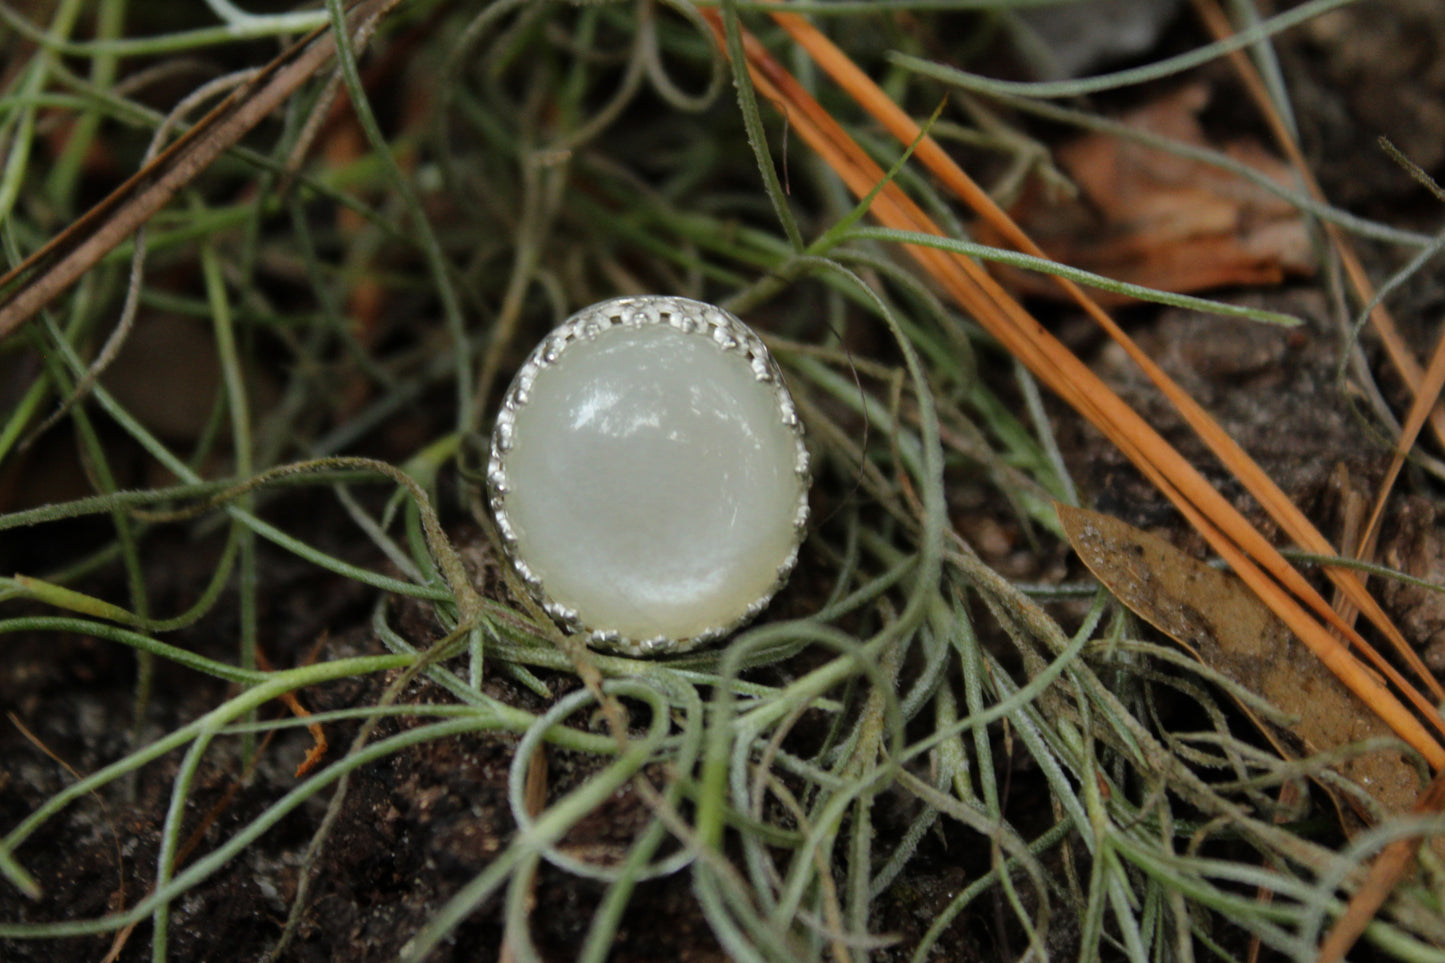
[691, 317]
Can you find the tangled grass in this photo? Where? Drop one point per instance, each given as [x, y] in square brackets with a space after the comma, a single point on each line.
[393, 240]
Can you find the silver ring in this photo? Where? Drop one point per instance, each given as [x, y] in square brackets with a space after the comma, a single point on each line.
[648, 474]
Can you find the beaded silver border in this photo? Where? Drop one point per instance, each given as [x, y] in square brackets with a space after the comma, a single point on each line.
[692, 317]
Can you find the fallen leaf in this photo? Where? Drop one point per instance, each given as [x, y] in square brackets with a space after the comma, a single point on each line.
[1223, 624]
[1152, 217]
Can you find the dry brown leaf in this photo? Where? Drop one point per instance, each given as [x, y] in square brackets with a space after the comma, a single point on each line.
[1152, 217]
[1224, 625]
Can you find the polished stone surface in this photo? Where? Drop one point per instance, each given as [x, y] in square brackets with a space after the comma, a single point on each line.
[652, 483]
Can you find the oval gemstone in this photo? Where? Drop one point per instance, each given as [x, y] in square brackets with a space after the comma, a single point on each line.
[652, 479]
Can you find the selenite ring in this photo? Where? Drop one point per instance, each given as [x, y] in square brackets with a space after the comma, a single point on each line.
[648, 474]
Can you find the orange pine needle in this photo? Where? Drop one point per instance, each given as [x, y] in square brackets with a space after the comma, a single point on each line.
[882, 108]
[1391, 867]
[1425, 385]
[319, 745]
[1399, 352]
[977, 292]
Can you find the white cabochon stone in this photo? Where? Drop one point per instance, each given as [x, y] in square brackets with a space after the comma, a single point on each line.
[654, 483]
